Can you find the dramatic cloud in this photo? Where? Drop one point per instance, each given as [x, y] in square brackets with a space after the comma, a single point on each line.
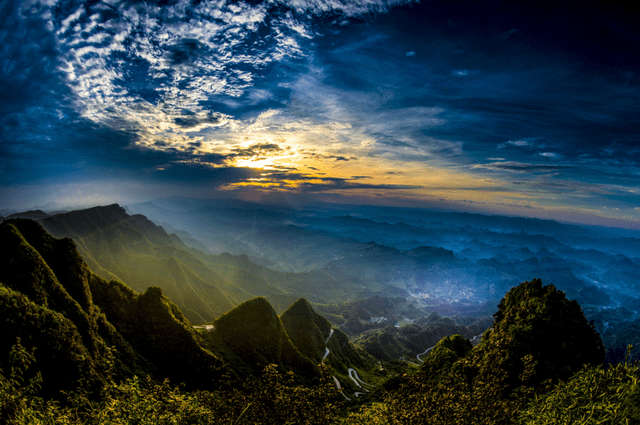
[468, 102]
[521, 167]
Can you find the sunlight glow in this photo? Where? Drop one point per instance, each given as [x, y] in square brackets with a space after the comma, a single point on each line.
[262, 163]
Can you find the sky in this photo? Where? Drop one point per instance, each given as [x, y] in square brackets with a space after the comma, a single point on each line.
[523, 108]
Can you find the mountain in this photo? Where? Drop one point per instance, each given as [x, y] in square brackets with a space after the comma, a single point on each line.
[51, 302]
[252, 336]
[94, 342]
[539, 339]
[31, 214]
[132, 249]
[412, 341]
[307, 329]
[316, 339]
[159, 331]
[449, 263]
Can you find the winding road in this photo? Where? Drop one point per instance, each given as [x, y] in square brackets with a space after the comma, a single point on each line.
[353, 374]
[329, 337]
[425, 352]
[326, 353]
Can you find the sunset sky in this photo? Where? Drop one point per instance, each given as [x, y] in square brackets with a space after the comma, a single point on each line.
[526, 108]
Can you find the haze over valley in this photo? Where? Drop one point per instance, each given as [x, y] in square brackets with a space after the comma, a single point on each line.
[363, 268]
[319, 212]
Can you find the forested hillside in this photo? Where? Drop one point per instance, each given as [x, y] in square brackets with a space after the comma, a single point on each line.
[76, 348]
[132, 249]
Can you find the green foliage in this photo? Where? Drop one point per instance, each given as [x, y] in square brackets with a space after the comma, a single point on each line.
[15, 388]
[58, 311]
[273, 398]
[164, 337]
[376, 413]
[143, 402]
[538, 339]
[307, 329]
[37, 304]
[440, 394]
[72, 335]
[592, 396]
[442, 358]
[64, 358]
[256, 337]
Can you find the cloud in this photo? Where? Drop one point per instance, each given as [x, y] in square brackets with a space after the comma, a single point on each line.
[289, 93]
[327, 185]
[343, 8]
[182, 54]
[552, 155]
[194, 174]
[192, 120]
[516, 143]
[171, 58]
[159, 72]
[258, 149]
[300, 182]
[464, 72]
[341, 158]
[520, 167]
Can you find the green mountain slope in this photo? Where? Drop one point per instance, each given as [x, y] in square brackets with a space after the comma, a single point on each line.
[307, 329]
[94, 339]
[313, 336]
[134, 250]
[538, 339]
[251, 336]
[55, 304]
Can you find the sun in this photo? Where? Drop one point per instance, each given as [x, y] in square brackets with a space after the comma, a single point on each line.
[261, 163]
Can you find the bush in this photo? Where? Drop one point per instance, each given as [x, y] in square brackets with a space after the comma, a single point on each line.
[592, 396]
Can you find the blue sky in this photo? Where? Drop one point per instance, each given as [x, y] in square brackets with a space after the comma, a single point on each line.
[504, 107]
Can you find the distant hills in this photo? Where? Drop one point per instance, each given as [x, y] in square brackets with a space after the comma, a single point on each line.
[132, 249]
[50, 300]
[452, 263]
[209, 256]
[391, 249]
[76, 348]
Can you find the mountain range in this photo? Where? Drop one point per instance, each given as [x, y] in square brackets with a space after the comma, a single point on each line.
[89, 335]
[333, 259]
[79, 322]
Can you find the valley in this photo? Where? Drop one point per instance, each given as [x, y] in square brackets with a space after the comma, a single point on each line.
[362, 306]
[319, 212]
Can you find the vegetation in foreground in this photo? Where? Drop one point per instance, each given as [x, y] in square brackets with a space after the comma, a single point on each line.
[273, 398]
[77, 349]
